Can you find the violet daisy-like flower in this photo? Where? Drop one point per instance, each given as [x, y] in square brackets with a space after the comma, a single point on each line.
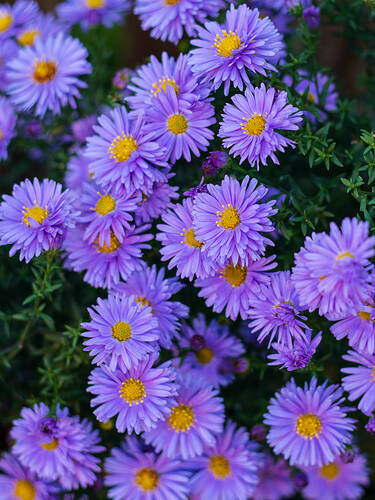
[233, 285]
[181, 128]
[46, 75]
[121, 332]
[14, 17]
[360, 380]
[337, 480]
[122, 155]
[156, 203]
[307, 425]
[60, 448]
[180, 245]
[227, 469]
[168, 19]
[296, 355]
[36, 217]
[251, 125]
[332, 272]
[137, 474]
[214, 161]
[321, 92]
[151, 288]
[8, 120]
[91, 12]
[105, 265]
[275, 481]
[83, 127]
[139, 396]
[275, 311]
[8, 50]
[194, 422]
[77, 171]
[225, 52]
[42, 26]
[218, 347]
[230, 218]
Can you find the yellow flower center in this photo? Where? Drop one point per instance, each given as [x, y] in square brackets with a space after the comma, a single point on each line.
[24, 490]
[177, 124]
[95, 4]
[204, 355]
[121, 331]
[226, 43]
[254, 126]
[308, 426]
[365, 316]
[37, 213]
[329, 471]
[373, 374]
[162, 85]
[5, 21]
[122, 148]
[113, 245]
[44, 71]
[105, 204]
[143, 301]
[235, 275]
[27, 37]
[181, 418]
[1, 134]
[147, 479]
[190, 239]
[229, 217]
[219, 466]
[133, 391]
[106, 426]
[311, 98]
[345, 254]
[171, 2]
[50, 446]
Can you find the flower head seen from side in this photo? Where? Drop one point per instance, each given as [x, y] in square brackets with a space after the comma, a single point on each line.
[77, 171]
[225, 52]
[275, 482]
[337, 480]
[140, 397]
[232, 286]
[332, 272]
[359, 380]
[194, 422]
[45, 76]
[252, 123]
[137, 474]
[227, 469]
[92, 12]
[307, 425]
[296, 355]
[122, 156]
[8, 120]
[157, 202]
[180, 245]
[230, 218]
[218, 347]
[36, 217]
[321, 92]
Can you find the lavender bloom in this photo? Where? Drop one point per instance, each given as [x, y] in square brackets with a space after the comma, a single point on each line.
[42, 26]
[251, 125]
[275, 482]
[133, 473]
[194, 422]
[83, 127]
[122, 78]
[14, 17]
[7, 125]
[227, 469]
[332, 271]
[308, 426]
[225, 52]
[311, 15]
[229, 220]
[140, 397]
[320, 92]
[77, 171]
[157, 202]
[8, 50]
[46, 75]
[359, 382]
[258, 432]
[370, 426]
[91, 12]
[35, 218]
[215, 160]
[121, 332]
[195, 190]
[298, 354]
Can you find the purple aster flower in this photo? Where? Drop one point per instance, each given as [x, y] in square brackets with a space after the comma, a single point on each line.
[194, 422]
[17, 482]
[66, 455]
[42, 26]
[296, 355]
[169, 18]
[251, 125]
[122, 78]
[275, 311]
[104, 265]
[46, 75]
[106, 214]
[151, 288]
[277, 11]
[36, 217]
[7, 125]
[258, 432]
[121, 155]
[139, 397]
[195, 190]
[179, 244]
[360, 381]
[337, 480]
[121, 332]
[275, 482]
[332, 271]
[132, 473]
[179, 127]
[370, 426]
[77, 171]
[227, 469]
[311, 15]
[14, 17]
[206, 362]
[83, 127]
[156, 202]
[229, 220]
[225, 52]
[91, 12]
[320, 91]
[215, 160]
[8, 50]
[308, 426]
[34, 129]
[232, 286]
